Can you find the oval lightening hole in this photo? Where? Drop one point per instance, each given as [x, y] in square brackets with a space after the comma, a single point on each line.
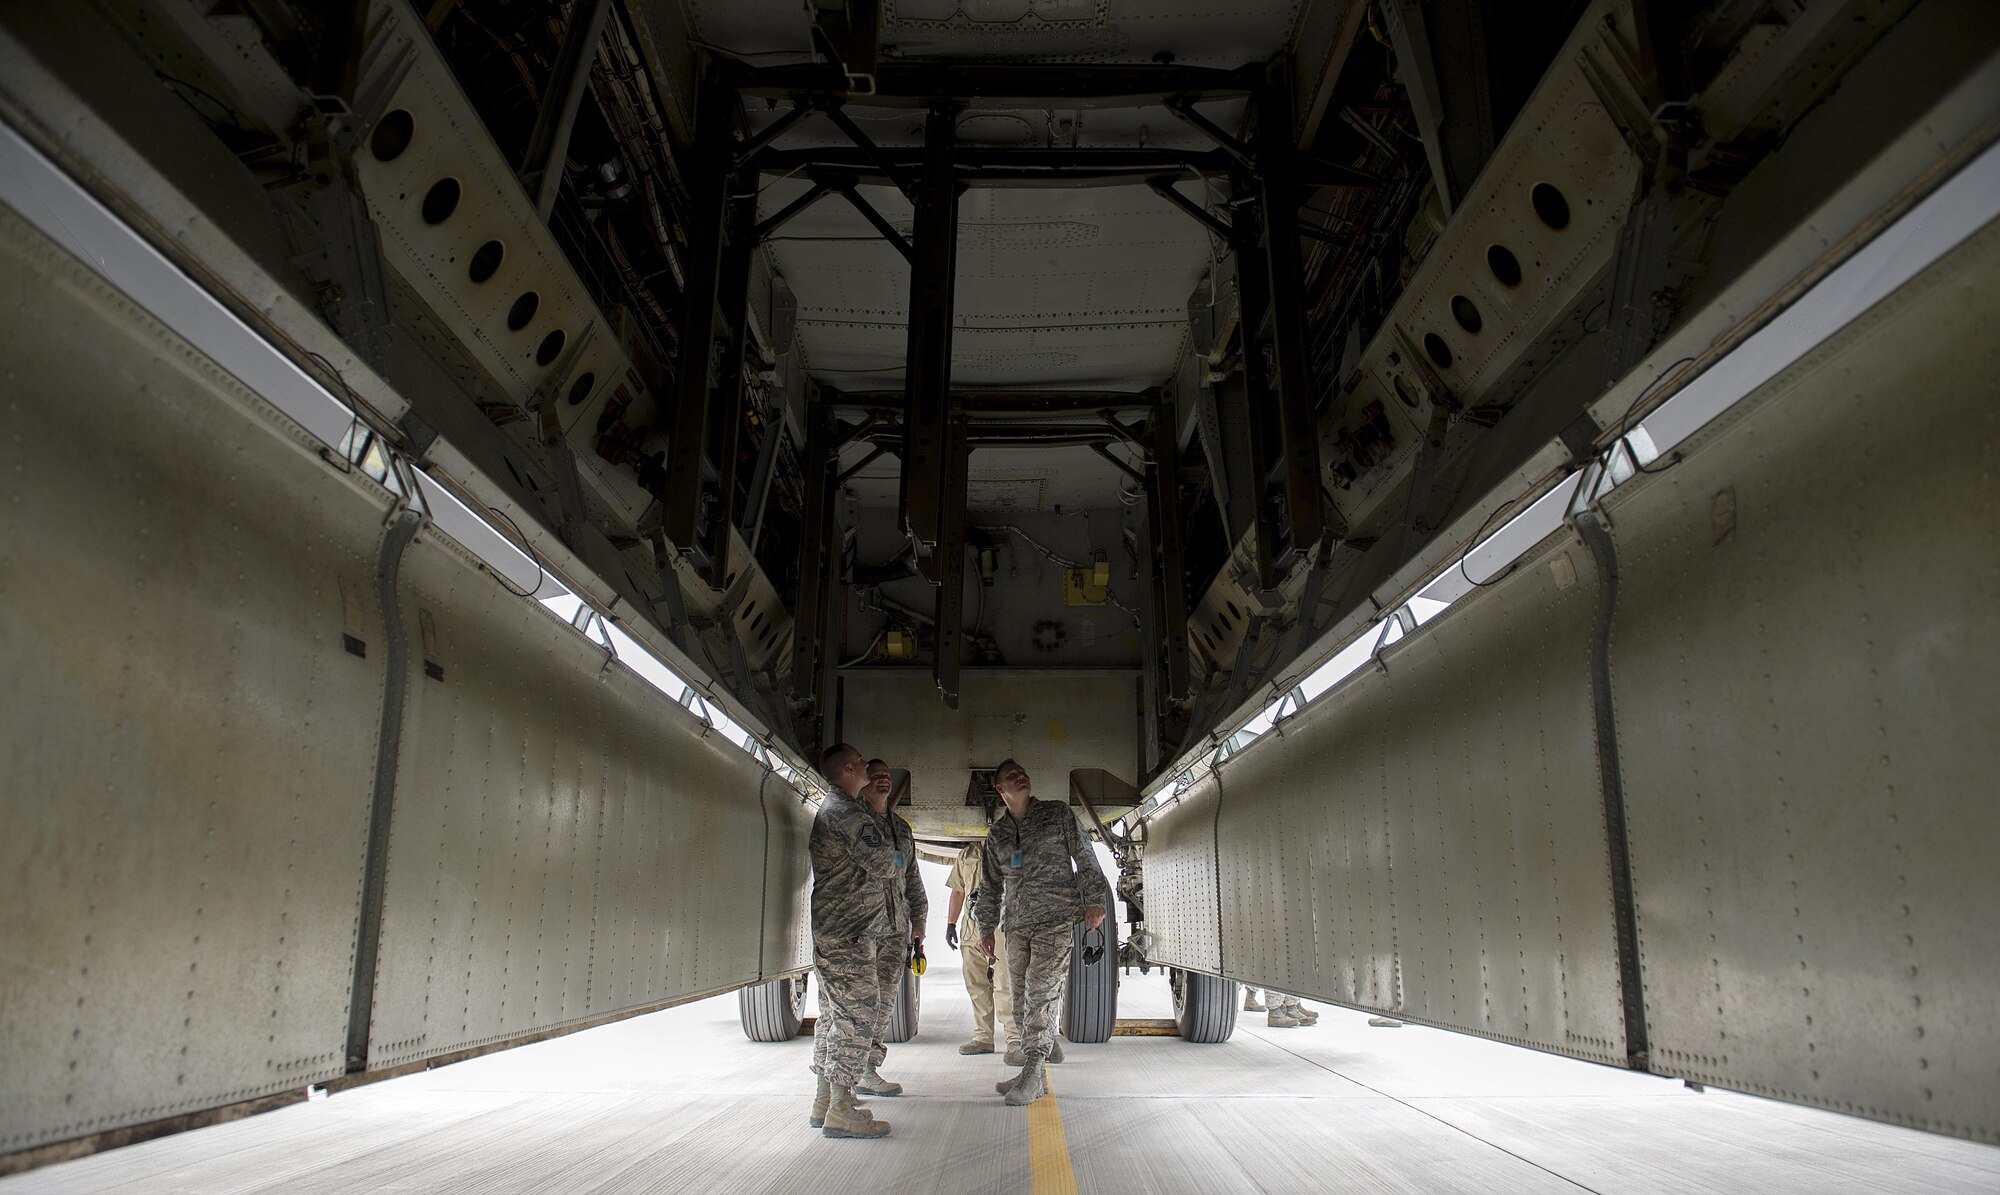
[1233, 611]
[1550, 205]
[441, 201]
[580, 389]
[1465, 313]
[392, 135]
[485, 261]
[1505, 266]
[523, 310]
[551, 347]
[1440, 351]
[1403, 393]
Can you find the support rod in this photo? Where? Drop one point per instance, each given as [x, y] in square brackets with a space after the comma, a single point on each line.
[1121, 466]
[948, 563]
[1163, 508]
[761, 477]
[1279, 206]
[710, 183]
[800, 109]
[1001, 163]
[849, 472]
[874, 217]
[873, 152]
[1020, 402]
[1164, 188]
[1315, 171]
[783, 215]
[927, 369]
[548, 144]
[1254, 304]
[815, 561]
[728, 399]
[1003, 85]
[1214, 132]
[843, 436]
[1125, 433]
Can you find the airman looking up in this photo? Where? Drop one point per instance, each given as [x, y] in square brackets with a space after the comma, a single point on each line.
[853, 911]
[909, 908]
[1038, 879]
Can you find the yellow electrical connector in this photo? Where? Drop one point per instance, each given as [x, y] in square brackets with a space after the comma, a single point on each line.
[1087, 586]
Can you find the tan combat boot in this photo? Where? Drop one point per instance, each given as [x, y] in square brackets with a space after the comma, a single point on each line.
[1282, 1017]
[821, 1095]
[1026, 1087]
[874, 1084]
[843, 1119]
[1250, 1001]
[1055, 1050]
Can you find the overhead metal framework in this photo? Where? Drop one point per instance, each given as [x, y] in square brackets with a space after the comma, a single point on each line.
[937, 426]
[922, 84]
[708, 413]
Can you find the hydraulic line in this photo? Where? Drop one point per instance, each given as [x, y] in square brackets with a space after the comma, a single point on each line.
[1631, 978]
[388, 746]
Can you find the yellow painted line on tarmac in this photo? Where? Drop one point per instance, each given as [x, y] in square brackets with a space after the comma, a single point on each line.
[1048, 1148]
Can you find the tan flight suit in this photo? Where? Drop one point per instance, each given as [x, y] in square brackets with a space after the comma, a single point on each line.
[987, 984]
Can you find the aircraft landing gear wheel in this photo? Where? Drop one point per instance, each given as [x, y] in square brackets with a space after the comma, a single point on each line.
[909, 1002]
[1204, 1005]
[1090, 995]
[772, 1011]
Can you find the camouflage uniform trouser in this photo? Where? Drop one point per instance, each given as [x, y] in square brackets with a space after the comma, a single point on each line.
[850, 999]
[1038, 967]
[892, 954]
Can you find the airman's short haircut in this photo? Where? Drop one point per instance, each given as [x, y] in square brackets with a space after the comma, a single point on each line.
[833, 756]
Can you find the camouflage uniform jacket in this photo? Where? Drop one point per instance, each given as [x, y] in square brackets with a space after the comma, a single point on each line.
[854, 873]
[910, 905]
[1056, 879]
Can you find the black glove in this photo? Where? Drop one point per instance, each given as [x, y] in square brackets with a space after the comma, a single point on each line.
[951, 936]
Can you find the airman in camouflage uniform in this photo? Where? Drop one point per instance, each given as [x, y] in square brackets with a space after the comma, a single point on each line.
[1039, 878]
[910, 908]
[853, 902]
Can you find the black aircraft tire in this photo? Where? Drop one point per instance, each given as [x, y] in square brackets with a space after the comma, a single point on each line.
[772, 1011]
[909, 1003]
[1205, 1007]
[1090, 995]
